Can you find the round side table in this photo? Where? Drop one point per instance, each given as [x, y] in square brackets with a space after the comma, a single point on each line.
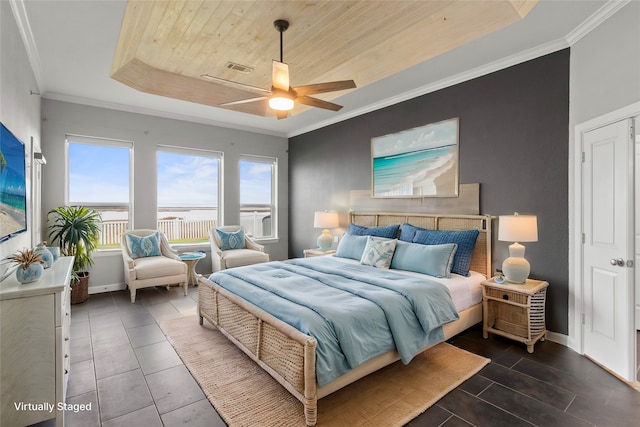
[191, 259]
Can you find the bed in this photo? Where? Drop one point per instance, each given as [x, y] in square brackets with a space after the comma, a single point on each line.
[289, 355]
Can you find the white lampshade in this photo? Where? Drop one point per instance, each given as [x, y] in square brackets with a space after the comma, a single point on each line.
[517, 228]
[325, 220]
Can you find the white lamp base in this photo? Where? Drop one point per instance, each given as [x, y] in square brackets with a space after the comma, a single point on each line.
[516, 269]
[325, 240]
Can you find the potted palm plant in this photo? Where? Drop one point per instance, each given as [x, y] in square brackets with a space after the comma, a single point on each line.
[76, 230]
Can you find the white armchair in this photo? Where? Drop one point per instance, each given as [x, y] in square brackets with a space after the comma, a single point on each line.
[223, 257]
[150, 261]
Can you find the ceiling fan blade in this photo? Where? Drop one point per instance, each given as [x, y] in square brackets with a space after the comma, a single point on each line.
[244, 101]
[280, 75]
[282, 114]
[319, 103]
[324, 87]
[236, 85]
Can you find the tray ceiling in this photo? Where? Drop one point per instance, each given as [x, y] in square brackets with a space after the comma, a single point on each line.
[165, 47]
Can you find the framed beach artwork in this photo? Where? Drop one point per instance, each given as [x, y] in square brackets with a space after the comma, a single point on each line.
[418, 162]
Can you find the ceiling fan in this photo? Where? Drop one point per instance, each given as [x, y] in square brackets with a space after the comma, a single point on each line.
[283, 97]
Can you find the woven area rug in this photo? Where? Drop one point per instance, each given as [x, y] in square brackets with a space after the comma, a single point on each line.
[245, 395]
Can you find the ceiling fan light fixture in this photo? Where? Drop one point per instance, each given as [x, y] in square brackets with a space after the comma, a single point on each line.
[282, 97]
[280, 103]
[281, 100]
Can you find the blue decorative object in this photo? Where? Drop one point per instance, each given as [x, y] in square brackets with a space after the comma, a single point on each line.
[230, 239]
[465, 239]
[30, 274]
[142, 247]
[55, 251]
[47, 257]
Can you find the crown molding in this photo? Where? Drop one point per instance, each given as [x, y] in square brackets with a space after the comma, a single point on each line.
[594, 21]
[24, 27]
[480, 71]
[156, 113]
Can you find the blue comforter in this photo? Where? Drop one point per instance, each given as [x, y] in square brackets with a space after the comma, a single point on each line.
[355, 312]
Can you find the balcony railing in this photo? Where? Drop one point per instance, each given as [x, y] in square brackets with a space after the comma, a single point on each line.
[257, 222]
[176, 230]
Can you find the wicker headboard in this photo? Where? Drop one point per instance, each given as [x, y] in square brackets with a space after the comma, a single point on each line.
[481, 257]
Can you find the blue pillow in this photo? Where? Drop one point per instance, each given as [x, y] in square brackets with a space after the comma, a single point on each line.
[388, 231]
[230, 239]
[434, 260]
[378, 252]
[465, 239]
[408, 232]
[142, 247]
[351, 246]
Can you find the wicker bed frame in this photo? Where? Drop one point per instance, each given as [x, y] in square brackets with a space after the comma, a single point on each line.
[288, 355]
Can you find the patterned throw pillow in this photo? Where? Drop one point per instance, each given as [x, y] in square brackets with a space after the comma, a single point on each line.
[142, 247]
[378, 252]
[230, 239]
[465, 239]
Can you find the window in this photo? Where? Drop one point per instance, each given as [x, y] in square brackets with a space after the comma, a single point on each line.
[99, 175]
[258, 195]
[189, 189]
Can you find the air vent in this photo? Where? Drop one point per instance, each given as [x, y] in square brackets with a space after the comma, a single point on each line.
[238, 67]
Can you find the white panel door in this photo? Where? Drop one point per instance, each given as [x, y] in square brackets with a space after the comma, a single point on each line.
[608, 247]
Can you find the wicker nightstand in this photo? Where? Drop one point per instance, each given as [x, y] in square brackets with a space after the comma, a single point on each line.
[308, 253]
[515, 311]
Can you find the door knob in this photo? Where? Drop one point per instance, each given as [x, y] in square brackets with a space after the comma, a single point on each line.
[619, 262]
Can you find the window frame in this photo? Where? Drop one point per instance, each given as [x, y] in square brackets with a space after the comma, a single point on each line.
[100, 141]
[273, 161]
[219, 155]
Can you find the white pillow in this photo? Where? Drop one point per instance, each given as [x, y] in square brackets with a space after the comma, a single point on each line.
[378, 252]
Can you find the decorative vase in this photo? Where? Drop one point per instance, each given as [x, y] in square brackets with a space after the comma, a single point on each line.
[47, 257]
[55, 251]
[30, 274]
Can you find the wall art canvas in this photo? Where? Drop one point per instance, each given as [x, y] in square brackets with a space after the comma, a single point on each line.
[418, 162]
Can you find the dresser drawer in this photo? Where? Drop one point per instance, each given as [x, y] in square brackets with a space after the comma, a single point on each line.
[62, 305]
[507, 295]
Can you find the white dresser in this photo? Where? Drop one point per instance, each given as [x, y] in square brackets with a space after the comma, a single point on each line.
[34, 346]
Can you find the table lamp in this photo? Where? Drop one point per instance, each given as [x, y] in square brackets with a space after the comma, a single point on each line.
[517, 228]
[325, 220]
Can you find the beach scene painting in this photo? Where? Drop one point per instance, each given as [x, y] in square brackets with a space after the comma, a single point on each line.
[13, 201]
[418, 162]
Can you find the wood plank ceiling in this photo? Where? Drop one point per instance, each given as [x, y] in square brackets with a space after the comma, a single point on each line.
[166, 46]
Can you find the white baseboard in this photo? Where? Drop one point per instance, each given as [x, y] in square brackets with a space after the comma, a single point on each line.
[558, 338]
[107, 288]
[638, 317]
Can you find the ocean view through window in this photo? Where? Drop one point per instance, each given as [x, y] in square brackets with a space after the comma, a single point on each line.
[189, 188]
[99, 175]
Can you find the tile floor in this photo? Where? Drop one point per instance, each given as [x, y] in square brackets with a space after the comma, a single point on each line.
[123, 364]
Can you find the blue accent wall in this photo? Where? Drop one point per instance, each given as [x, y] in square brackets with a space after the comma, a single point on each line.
[514, 132]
